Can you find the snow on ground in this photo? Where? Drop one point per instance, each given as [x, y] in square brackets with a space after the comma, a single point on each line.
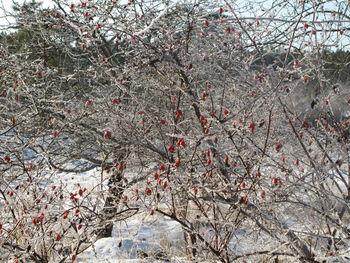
[132, 238]
[138, 235]
[141, 234]
[143, 237]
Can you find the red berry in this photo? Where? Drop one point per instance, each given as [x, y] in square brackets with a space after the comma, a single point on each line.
[116, 101]
[177, 163]
[244, 199]
[171, 148]
[165, 184]
[252, 127]
[58, 237]
[29, 167]
[229, 30]
[65, 216]
[107, 135]
[305, 124]
[74, 257]
[278, 146]
[225, 112]
[203, 120]
[156, 176]
[208, 152]
[148, 191]
[162, 167]
[7, 159]
[195, 190]
[178, 114]
[306, 26]
[275, 181]
[226, 159]
[151, 212]
[89, 103]
[181, 143]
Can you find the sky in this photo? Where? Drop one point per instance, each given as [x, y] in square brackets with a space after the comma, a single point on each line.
[4, 5]
[332, 5]
[7, 4]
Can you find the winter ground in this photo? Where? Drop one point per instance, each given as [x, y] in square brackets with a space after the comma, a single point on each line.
[133, 238]
[145, 237]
